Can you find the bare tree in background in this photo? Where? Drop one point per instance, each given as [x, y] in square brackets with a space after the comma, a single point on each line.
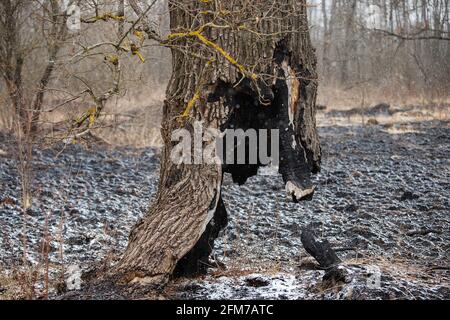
[46, 66]
[19, 39]
[389, 46]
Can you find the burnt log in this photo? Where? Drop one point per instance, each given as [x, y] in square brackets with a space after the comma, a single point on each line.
[326, 256]
[320, 250]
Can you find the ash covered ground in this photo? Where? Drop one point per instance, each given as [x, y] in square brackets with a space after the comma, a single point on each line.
[382, 201]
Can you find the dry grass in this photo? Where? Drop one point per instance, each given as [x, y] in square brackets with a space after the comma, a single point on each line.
[402, 269]
[367, 95]
[130, 120]
[134, 118]
[418, 113]
[10, 288]
[143, 129]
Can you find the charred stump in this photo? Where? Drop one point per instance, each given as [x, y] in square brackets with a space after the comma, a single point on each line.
[326, 256]
[319, 250]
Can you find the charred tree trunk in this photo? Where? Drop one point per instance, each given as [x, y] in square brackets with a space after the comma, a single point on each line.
[239, 65]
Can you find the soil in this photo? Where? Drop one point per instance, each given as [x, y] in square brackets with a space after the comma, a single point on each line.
[382, 202]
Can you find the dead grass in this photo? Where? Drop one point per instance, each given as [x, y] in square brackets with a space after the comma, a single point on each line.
[416, 114]
[364, 96]
[402, 269]
[130, 120]
[10, 288]
[134, 119]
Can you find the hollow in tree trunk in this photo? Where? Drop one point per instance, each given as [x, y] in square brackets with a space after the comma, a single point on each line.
[236, 64]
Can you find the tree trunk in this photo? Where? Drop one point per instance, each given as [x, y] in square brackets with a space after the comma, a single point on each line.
[243, 64]
[328, 34]
[348, 51]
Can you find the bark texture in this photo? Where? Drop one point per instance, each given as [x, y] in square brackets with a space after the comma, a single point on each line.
[238, 64]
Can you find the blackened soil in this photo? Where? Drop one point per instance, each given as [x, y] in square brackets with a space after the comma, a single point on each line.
[382, 200]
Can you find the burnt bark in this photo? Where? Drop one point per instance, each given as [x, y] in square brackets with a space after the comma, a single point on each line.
[196, 261]
[256, 71]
